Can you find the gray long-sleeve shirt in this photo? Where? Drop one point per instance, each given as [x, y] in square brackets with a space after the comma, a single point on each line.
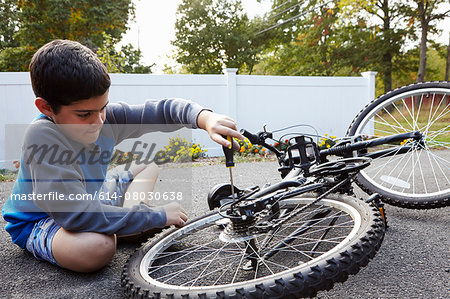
[42, 174]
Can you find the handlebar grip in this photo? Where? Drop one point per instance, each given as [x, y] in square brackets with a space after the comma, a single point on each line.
[251, 137]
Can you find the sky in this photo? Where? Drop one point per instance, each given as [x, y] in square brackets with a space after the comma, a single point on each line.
[153, 28]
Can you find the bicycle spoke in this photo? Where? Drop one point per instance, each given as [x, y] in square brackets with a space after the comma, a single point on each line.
[402, 157]
[441, 115]
[386, 123]
[239, 266]
[259, 258]
[399, 125]
[431, 137]
[209, 264]
[198, 263]
[409, 112]
[416, 120]
[439, 166]
[396, 108]
[433, 171]
[321, 228]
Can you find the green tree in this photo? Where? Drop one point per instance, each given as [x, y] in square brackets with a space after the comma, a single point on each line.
[317, 46]
[312, 39]
[127, 60]
[213, 34]
[345, 37]
[390, 34]
[40, 21]
[427, 13]
[9, 21]
[82, 20]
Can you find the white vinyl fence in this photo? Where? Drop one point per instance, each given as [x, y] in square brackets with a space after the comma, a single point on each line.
[326, 103]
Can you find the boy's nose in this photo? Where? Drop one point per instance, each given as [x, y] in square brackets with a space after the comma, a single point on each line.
[99, 119]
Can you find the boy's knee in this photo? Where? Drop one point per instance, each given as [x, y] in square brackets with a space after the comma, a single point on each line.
[145, 171]
[151, 171]
[97, 252]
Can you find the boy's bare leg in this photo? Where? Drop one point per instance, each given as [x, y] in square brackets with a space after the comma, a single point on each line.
[88, 251]
[83, 252]
[145, 177]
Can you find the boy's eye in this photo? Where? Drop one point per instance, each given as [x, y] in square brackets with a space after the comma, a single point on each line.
[84, 115]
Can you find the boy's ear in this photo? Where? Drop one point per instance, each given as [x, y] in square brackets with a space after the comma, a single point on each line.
[44, 107]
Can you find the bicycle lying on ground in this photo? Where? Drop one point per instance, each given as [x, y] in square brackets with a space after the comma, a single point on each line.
[308, 231]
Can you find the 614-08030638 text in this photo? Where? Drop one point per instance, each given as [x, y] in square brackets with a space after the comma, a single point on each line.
[157, 196]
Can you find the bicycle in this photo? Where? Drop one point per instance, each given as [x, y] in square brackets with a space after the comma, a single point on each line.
[308, 231]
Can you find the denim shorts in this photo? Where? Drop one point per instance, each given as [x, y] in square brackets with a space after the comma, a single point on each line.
[115, 185]
[39, 243]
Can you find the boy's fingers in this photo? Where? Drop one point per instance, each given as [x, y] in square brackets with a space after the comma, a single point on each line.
[181, 223]
[222, 141]
[183, 217]
[236, 145]
[229, 123]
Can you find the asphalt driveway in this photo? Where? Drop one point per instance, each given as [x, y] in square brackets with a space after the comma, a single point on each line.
[413, 262]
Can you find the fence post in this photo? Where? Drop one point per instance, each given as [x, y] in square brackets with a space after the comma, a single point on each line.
[370, 76]
[230, 74]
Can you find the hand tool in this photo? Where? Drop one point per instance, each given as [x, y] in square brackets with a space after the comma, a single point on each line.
[229, 163]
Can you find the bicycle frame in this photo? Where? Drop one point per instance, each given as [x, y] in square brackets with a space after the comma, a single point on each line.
[303, 160]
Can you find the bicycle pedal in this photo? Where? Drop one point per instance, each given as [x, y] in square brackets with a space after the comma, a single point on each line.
[374, 197]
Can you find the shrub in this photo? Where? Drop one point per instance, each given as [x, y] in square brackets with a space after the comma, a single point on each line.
[120, 157]
[180, 150]
[282, 146]
[326, 142]
[249, 149]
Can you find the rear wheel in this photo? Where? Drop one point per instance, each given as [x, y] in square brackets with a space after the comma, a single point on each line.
[419, 178]
[313, 249]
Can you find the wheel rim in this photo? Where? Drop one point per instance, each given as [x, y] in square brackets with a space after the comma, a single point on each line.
[203, 262]
[424, 171]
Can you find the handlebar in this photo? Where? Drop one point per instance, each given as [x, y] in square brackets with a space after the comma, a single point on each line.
[253, 138]
[260, 139]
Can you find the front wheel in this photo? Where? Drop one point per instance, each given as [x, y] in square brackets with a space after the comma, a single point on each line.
[311, 250]
[413, 174]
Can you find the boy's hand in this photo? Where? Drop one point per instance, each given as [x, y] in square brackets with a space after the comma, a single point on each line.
[218, 125]
[175, 214]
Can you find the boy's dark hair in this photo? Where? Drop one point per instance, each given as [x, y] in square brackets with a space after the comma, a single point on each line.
[63, 72]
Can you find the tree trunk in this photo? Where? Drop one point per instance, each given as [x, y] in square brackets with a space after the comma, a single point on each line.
[447, 69]
[423, 54]
[387, 75]
[387, 56]
[423, 41]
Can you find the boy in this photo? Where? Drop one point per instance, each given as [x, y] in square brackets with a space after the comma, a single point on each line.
[71, 87]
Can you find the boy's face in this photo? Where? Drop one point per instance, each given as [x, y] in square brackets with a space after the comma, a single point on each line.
[83, 120]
